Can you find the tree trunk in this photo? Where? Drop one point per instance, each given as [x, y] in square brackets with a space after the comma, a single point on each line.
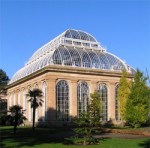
[15, 127]
[33, 124]
[84, 142]
[15, 123]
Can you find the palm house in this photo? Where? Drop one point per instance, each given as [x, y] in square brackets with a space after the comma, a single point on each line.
[67, 69]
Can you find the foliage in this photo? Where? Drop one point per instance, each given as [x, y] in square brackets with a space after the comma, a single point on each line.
[89, 121]
[35, 96]
[3, 111]
[123, 94]
[3, 80]
[137, 108]
[3, 103]
[95, 109]
[16, 116]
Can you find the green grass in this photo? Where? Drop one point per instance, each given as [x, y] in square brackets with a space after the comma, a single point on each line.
[25, 138]
[53, 143]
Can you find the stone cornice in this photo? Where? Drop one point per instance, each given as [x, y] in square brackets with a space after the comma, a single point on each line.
[70, 70]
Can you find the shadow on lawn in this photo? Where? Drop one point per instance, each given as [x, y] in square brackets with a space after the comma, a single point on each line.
[31, 142]
[25, 137]
[40, 137]
[145, 144]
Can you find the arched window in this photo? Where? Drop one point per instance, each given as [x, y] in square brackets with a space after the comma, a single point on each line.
[19, 98]
[62, 100]
[44, 89]
[37, 109]
[10, 100]
[24, 101]
[102, 88]
[30, 111]
[15, 101]
[82, 96]
[117, 115]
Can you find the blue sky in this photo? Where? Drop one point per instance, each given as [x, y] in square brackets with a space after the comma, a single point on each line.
[123, 27]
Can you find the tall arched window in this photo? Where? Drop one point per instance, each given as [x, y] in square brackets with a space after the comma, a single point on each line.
[24, 101]
[117, 115]
[37, 109]
[19, 98]
[62, 100]
[44, 89]
[30, 111]
[15, 101]
[82, 96]
[102, 88]
[10, 100]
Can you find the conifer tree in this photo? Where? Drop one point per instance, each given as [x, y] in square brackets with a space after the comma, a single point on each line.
[137, 107]
[95, 109]
[89, 121]
[123, 94]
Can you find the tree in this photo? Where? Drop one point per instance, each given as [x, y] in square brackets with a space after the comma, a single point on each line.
[36, 101]
[3, 80]
[3, 111]
[3, 102]
[95, 109]
[123, 94]
[137, 108]
[16, 115]
[89, 121]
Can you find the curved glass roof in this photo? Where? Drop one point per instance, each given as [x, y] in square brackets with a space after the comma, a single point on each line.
[69, 49]
[76, 34]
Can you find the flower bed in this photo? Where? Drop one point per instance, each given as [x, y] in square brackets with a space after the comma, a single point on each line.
[128, 131]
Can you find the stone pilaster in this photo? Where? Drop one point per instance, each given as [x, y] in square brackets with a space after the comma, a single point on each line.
[111, 101]
[51, 100]
[73, 98]
[93, 86]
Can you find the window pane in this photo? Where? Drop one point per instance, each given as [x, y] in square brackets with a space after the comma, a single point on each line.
[62, 101]
[83, 96]
[102, 88]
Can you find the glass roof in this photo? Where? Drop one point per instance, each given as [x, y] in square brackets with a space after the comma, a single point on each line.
[59, 52]
[76, 34]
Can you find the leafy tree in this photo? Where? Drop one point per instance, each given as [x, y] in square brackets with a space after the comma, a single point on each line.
[123, 94]
[137, 108]
[3, 81]
[3, 102]
[89, 121]
[16, 115]
[3, 111]
[35, 96]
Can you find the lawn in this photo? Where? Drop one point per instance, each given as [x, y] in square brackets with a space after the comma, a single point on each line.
[45, 138]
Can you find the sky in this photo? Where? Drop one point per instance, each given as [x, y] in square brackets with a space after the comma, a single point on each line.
[121, 26]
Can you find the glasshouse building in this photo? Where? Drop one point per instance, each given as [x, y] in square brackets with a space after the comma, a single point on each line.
[67, 69]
